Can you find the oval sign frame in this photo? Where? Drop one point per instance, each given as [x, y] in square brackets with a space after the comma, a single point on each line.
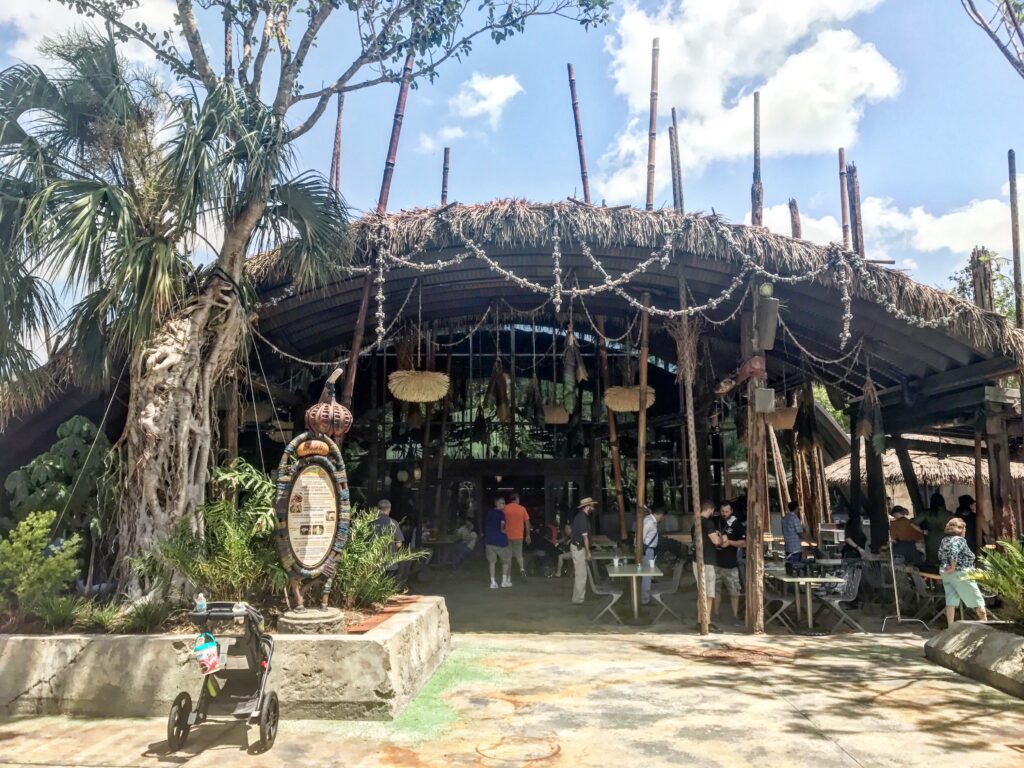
[290, 469]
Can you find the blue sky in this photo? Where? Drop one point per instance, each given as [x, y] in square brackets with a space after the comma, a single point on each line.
[924, 103]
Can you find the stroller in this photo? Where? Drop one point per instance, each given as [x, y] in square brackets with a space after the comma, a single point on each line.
[232, 690]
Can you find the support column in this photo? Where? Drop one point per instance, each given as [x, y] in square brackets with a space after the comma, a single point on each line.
[999, 480]
[877, 513]
[641, 429]
[613, 432]
[855, 480]
[909, 475]
[757, 490]
[229, 423]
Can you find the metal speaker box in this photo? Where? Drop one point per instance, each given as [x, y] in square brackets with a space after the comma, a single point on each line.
[764, 400]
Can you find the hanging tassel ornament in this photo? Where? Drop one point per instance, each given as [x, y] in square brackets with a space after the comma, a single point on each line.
[869, 417]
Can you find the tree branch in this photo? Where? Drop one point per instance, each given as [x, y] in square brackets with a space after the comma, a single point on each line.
[261, 55]
[291, 67]
[978, 19]
[190, 30]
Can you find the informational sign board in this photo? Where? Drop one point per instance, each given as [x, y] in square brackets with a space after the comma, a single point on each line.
[312, 516]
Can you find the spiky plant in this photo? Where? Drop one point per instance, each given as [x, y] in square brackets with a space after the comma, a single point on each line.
[1002, 574]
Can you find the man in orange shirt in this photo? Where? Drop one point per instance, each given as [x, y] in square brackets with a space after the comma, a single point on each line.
[517, 527]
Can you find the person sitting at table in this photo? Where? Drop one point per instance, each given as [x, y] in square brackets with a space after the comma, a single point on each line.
[732, 539]
[792, 533]
[855, 540]
[905, 536]
[955, 560]
[466, 538]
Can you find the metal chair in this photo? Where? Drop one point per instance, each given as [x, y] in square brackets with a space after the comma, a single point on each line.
[785, 600]
[604, 590]
[847, 593]
[659, 591]
[930, 602]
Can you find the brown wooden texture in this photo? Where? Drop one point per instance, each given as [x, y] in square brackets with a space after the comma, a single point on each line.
[446, 165]
[678, 168]
[756, 189]
[909, 475]
[981, 279]
[795, 229]
[641, 427]
[844, 200]
[1004, 522]
[584, 176]
[652, 129]
[877, 513]
[613, 431]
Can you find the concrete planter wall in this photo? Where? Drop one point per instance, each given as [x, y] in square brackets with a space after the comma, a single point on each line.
[984, 652]
[351, 677]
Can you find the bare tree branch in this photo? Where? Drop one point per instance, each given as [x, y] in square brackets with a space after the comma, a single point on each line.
[1005, 10]
[190, 30]
[290, 69]
[261, 55]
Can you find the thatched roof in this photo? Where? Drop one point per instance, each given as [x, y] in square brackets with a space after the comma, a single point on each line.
[524, 226]
[929, 469]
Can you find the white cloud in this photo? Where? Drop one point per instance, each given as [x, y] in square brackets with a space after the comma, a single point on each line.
[484, 96]
[431, 142]
[910, 264]
[32, 20]
[815, 81]
[825, 230]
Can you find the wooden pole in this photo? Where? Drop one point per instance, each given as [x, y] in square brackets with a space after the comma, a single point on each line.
[909, 475]
[382, 205]
[855, 479]
[439, 478]
[780, 471]
[999, 479]
[229, 423]
[1015, 235]
[673, 160]
[799, 487]
[678, 162]
[794, 219]
[336, 154]
[982, 507]
[756, 190]
[844, 199]
[826, 508]
[613, 431]
[584, 176]
[757, 490]
[444, 176]
[877, 513]
[641, 427]
[652, 130]
[856, 222]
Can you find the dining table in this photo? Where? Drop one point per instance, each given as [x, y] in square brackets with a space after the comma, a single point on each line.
[634, 572]
[808, 582]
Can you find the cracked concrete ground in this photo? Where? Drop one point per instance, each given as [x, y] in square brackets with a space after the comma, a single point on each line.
[641, 699]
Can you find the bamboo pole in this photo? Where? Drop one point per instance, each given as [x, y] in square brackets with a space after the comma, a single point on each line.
[673, 160]
[652, 131]
[794, 219]
[584, 176]
[678, 178]
[444, 176]
[613, 431]
[756, 189]
[757, 500]
[780, 471]
[336, 154]
[439, 478]
[229, 422]
[641, 427]
[382, 204]
[980, 506]
[844, 198]
[856, 221]
[1015, 234]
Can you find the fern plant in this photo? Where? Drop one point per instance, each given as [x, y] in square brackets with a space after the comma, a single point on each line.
[1002, 574]
[56, 611]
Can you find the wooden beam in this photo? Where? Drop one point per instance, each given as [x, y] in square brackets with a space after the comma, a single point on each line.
[584, 176]
[757, 496]
[877, 513]
[844, 199]
[652, 129]
[613, 432]
[1004, 518]
[909, 475]
[795, 229]
[855, 479]
[641, 428]
[756, 188]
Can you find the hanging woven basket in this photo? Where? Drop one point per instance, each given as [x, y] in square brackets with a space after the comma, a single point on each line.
[418, 386]
[555, 414]
[781, 418]
[627, 399]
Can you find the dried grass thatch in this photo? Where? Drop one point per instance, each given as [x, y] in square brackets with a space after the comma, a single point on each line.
[627, 399]
[555, 415]
[418, 386]
[929, 469]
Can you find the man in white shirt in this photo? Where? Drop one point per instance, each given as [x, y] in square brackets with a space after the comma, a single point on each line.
[650, 542]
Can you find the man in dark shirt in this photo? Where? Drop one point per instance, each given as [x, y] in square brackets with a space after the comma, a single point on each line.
[496, 543]
[733, 537]
[579, 546]
[709, 547]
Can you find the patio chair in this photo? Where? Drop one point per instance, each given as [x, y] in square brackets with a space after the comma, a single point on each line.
[660, 590]
[784, 600]
[847, 594]
[604, 590]
[931, 603]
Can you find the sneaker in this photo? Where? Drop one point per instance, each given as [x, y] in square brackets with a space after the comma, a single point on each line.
[506, 583]
[494, 584]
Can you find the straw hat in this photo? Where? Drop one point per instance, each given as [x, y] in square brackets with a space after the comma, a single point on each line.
[586, 502]
[627, 399]
[418, 386]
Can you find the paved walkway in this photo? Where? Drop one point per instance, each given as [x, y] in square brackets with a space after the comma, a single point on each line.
[637, 700]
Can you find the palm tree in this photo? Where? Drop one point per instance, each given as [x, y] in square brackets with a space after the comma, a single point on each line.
[108, 184]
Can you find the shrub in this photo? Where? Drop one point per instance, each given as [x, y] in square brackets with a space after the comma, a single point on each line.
[147, 617]
[105, 618]
[56, 611]
[233, 558]
[1002, 574]
[363, 580]
[31, 568]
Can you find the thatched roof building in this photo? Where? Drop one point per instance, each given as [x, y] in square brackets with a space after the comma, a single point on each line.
[931, 470]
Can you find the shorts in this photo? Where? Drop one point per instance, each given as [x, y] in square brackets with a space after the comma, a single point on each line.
[515, 549]
[958, 589]
[495, 553]
[730, 578]
[709, 578]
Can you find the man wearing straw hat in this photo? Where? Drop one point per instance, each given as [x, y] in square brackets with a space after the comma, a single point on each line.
[579, 546]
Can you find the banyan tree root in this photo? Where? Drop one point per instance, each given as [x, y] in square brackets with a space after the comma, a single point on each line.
[169, 437]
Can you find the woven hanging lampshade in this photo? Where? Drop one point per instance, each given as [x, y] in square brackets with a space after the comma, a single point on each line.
[418, 386]
[555, 414]
[627, 399]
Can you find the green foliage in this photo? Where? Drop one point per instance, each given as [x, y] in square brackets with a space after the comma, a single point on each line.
[106, 617]
[68, 476]
[822, 399]
[363, 580]
[31, 569]
[56, 611]
[1002, 574]
[962, 284]
[147, 616]
[234, 557]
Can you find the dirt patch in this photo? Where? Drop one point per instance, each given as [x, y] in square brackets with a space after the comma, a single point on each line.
[358, 623]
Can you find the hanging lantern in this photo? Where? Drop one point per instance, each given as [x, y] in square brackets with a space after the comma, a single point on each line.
[627, 399]
[418, 386]
[329, 417]
[402, 476]
[555, 415]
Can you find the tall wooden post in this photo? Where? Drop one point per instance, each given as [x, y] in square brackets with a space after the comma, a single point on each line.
[377, 407]
[444, 175]
[613, 431]
[844, 203]
[439, 478]
[909, 475]
[652, 127]
[336, 154]
[794, 219]
[756, 190]
[382, 205]
[856, 219]
[680, 206]
[229, 423]
[877, 513]
[584, 176]
[855, 478]
[757, 490]
[1004, 521]
[641, 428]
[1015, 235]
[981, 503]
[780, 471]
[672, 163]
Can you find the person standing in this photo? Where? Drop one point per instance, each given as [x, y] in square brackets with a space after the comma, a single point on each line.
[731, 539]
[496, 543]
[955, 560]
[579, 546]
[933, 523]
[793, 533]
[517, 527]
[905, 536]
[709, 546]
[387, 527]
[965, 511]
[650, 542]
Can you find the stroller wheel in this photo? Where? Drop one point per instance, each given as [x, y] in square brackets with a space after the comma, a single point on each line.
[177, 722]
[270, 712]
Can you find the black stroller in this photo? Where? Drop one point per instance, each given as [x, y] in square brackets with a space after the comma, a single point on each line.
[235, 690]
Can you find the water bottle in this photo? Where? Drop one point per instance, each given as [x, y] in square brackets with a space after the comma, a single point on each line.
[200, 602]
